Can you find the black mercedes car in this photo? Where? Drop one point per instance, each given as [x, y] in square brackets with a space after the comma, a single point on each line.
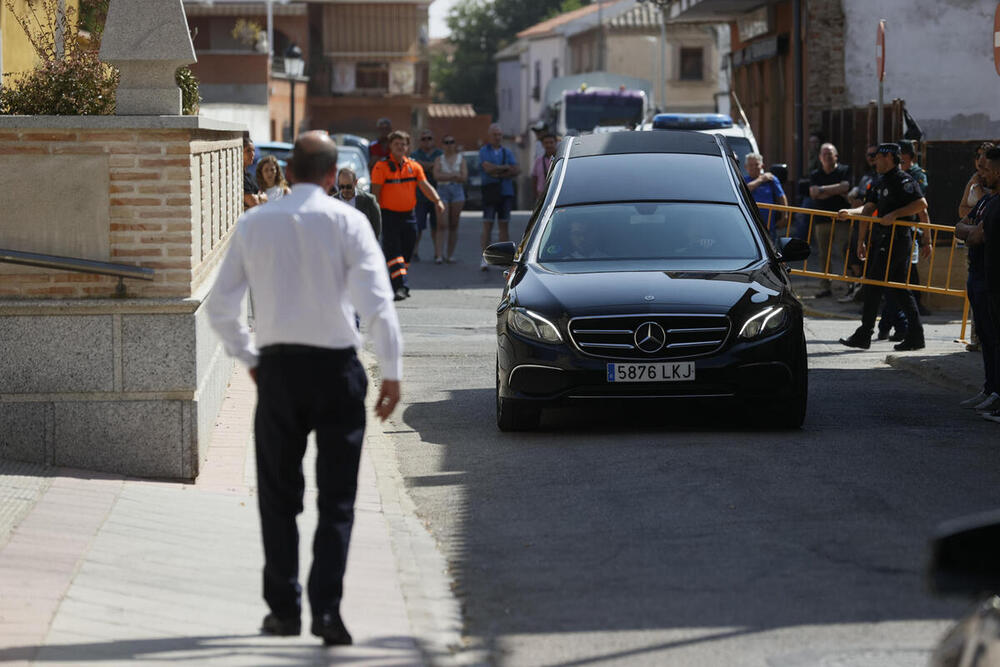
[645, 274]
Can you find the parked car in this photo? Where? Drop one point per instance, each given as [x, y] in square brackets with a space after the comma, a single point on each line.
[279, 149]
[656, 284]
[473, 188]
[354, 140]
[350, 156]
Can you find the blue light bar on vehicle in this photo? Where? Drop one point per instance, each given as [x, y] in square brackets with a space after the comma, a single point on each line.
[691, 121]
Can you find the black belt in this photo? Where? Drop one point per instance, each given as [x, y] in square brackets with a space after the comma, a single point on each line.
[289, 349]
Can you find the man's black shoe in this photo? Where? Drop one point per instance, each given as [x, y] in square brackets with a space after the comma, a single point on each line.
[331, 629]
[908, 345]
[822, 294]
[400, 294]
[883, 335]
[860, 342]
[281, 627]
[898, 336]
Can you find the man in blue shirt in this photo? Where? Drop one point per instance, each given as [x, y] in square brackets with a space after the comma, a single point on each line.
[765, 188]
[499, 169]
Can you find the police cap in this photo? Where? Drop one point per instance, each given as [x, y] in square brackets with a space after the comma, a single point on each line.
[891, 149]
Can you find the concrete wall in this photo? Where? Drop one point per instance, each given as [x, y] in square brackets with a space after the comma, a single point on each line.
[543, 51]
[510, 97]
[128, 385]
[255, 117]
[939, 58]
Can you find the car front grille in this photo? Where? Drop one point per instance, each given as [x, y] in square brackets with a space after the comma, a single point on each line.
[648, 337]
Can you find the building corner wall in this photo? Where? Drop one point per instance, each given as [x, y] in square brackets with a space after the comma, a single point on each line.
[825, 78]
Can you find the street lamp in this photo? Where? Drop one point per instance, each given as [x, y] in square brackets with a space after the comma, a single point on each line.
[294, 66]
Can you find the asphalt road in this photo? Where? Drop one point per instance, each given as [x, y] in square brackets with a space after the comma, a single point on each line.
[683, 537]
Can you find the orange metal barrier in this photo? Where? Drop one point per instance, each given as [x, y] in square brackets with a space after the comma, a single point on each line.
[845, 228]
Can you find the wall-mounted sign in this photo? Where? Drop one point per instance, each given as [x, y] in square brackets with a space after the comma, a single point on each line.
[344, 78]
[754, 24]
[402, 79]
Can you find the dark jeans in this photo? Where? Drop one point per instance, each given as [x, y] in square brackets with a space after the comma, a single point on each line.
[979, 300]
[302, 389]
[994, 308]
[399, 234]
[896, 299]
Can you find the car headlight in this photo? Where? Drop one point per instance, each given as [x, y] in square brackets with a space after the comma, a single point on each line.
[532, 325]
[768, 321]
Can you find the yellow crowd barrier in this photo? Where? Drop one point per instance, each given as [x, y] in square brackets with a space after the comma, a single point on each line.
[844, 229]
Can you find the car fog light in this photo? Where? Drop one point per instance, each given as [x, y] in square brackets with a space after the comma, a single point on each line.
[532, 325]
[766, 322]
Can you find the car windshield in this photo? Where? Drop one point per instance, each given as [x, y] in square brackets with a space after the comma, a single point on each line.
[649, 235]
[584, 112]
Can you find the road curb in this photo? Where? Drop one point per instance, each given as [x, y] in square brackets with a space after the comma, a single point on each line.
[930, 368]
[434, 611]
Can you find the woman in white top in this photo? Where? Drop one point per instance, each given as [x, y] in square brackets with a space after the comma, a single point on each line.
[451, 174]
[270, 179]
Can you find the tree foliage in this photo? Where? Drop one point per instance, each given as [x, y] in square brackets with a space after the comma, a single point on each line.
[70, 78]
[480, 28]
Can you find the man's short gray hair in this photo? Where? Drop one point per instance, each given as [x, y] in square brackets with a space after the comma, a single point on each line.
[754, 156]
[348, 170]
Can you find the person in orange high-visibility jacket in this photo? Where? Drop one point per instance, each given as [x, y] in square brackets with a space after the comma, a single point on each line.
[395, 180]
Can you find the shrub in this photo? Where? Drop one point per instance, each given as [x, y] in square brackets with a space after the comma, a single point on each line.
[71, 80]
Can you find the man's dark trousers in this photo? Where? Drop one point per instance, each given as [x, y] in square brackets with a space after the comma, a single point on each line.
[301, 389]
[895, 298]
[399, 235]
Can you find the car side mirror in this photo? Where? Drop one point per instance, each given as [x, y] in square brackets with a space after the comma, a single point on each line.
[793, 250]
[500, 254]
[965, 556]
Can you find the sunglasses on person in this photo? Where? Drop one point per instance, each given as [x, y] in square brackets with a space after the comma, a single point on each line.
[448, 141]
[345, 187]
[426, 138]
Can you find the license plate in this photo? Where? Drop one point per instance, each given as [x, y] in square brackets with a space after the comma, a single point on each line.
[678, 371]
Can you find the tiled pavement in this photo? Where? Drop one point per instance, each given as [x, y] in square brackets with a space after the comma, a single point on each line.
[108, 570]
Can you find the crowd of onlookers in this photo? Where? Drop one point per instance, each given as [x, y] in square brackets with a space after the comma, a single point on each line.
[892, 187]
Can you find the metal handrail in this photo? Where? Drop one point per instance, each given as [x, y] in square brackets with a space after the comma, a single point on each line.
[120, 271]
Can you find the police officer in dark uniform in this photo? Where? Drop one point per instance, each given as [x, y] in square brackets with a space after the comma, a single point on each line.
[896, 196]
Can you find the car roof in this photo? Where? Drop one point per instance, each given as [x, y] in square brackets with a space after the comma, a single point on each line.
[661, 141]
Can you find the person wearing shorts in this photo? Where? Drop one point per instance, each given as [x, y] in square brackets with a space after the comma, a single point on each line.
[451, 174]
[499, 169]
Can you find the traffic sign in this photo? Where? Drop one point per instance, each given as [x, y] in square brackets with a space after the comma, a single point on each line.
[996, 39]
[880, 49]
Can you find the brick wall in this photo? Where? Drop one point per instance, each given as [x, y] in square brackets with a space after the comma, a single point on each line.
[824, 59]
[173, 198]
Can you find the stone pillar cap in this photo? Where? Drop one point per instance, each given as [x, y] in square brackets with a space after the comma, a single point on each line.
[147, 30]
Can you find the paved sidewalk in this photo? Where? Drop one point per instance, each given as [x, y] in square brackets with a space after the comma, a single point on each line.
[110, 570]
[944, 361]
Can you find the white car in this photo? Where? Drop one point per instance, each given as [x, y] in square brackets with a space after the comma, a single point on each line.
[739, 137]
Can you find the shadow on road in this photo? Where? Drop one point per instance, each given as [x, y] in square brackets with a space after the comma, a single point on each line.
[617, 520]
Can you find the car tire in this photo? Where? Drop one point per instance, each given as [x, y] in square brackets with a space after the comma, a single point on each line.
[797, 398]
[514, 415]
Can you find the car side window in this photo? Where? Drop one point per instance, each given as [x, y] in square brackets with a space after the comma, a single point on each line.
[541, 204]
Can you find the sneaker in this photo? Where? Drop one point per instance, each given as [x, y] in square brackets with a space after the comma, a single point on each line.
[400, 294]
[438, 260]
[993, 416]
[907, 345]
[849, 296]
[450, 260]
[975, 400]
[483, 266]
[989, 403]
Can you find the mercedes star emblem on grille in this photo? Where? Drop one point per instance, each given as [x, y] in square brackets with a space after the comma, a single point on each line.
[650, 337]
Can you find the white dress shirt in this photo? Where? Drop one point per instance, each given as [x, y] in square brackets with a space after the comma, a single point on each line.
[310, 261]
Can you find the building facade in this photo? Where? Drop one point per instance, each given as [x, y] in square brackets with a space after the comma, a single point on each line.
[16, 52]
[938, 60]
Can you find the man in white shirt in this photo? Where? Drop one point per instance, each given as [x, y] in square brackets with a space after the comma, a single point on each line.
[310, 261]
